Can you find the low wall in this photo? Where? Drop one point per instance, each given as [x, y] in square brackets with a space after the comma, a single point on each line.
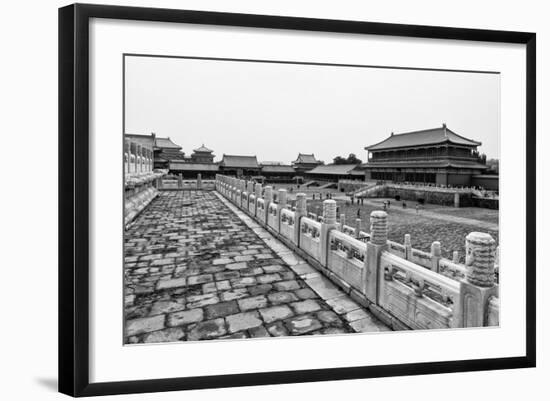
[429, 194]
[404, 287]
[489, 182]
[351, 185]
[178, 183]
[487, 203]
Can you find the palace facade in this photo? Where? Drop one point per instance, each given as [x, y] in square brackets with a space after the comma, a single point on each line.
[432, 156]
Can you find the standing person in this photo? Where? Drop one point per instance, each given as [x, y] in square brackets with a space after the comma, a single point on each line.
[416, 208]
[358, 213]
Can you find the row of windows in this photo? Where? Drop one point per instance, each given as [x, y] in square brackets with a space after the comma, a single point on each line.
[401, 177]
[429, 152]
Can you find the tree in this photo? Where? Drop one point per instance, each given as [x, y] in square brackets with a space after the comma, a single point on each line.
[493, 165]
[339, 160]
[351, 159]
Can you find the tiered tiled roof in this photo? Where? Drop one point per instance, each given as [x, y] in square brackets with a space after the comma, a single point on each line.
[274, 168]
[334, 169]
[432, 136]
[166, 143]
[240, 161]
[306, 159]
[203, 149]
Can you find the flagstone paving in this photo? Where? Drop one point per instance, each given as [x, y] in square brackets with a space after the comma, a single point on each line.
[197, 268]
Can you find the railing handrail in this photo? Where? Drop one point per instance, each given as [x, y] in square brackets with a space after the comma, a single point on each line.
[310, 222]
[343, 237]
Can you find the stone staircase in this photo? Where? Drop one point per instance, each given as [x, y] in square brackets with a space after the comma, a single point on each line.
[307, 184]
[328, 185]
[366, 191]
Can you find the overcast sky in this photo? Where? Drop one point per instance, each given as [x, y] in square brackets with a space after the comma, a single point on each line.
[275, 111]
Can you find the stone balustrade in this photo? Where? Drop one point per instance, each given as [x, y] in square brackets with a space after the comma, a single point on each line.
[137, 158]
[405, 287]
[141, 182]
[139, 190]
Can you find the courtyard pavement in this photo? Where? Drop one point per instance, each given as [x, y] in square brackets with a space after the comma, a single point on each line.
[198, 268]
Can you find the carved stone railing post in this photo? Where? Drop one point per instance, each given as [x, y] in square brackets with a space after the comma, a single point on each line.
[342, 221]
[145, 159]
[180, 181]
[238, 192]
[357, 228]
[244, 194]
[436, 256]
[329, 223]
[133, 147]
[301, 210]
[377, 244]
[241, 192]
[379, 228]
[139, 158]
[408, 247]
[126, 156]
[455, 257]
[233, 189]
[258, 195]
[268, 198]
[281, 204]
[479, 284]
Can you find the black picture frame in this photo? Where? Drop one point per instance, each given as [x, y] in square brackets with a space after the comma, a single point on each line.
[74, 198]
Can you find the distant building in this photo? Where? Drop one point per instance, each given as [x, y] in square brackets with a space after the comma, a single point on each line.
[163, 148]
[437, 156]
[239, 166]
[191, 170]
[202, 155]
[305, 162]
[335, 172]
[200, 161]
[277, 172]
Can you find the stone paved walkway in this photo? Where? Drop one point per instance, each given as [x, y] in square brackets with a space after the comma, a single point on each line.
[195, 270]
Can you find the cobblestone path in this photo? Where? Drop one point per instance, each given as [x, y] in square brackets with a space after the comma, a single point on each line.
[194, 271]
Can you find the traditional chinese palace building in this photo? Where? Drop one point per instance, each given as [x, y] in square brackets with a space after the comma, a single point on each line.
[335, 172]
[305, 162]
[277, 172]
[439, 156]
[200, 161]
[239, 166]
[202, 155]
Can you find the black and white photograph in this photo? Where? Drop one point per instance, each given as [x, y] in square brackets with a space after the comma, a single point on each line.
[273, 198]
